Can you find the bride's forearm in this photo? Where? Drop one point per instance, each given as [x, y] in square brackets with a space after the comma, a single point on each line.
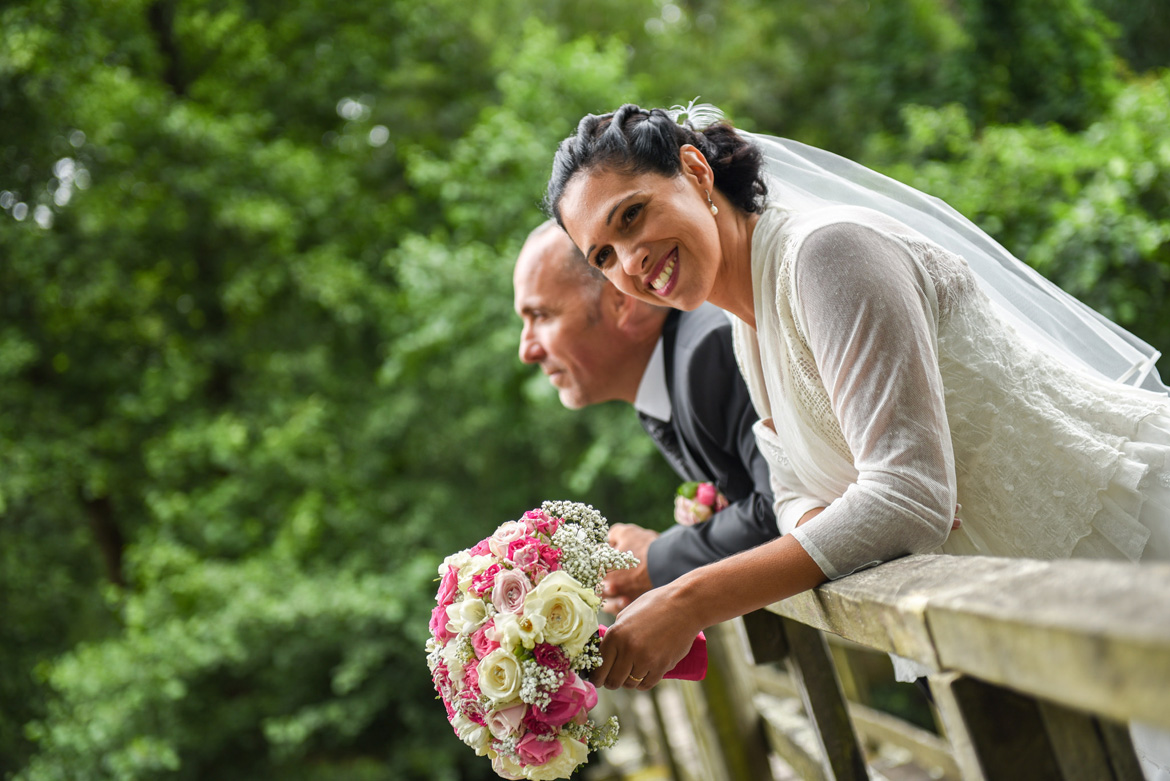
[747, 581]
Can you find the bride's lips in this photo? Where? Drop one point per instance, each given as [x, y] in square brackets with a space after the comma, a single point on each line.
[664, 277]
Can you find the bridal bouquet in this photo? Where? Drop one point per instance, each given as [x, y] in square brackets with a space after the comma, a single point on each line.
[513, 633]
[697, 502]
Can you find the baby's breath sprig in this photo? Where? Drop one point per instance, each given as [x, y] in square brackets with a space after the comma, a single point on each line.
[584, 542]
[537, 683]
[590, 656]
[506, 746]
[596, 736]
[592, 522]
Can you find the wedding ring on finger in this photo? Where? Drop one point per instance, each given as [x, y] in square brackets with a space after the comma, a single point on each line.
[636, 679]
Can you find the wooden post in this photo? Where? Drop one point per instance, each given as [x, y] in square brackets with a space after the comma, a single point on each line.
[729, 691]
[824, 702]
[709, 762]
[765, 634]
[667, 751]
[1089, 749]
[996, 733]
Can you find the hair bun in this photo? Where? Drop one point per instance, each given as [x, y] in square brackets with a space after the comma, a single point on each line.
[636, 140]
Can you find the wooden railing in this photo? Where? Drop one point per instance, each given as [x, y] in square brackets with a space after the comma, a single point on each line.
[1035, 668]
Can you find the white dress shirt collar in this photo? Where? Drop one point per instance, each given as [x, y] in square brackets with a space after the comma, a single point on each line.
[653, 398]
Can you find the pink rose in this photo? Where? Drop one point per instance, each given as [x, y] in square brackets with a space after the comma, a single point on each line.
[509, 591]
[482, 583]
[448, 587]
[505, 723]
[534, 751]
[482, 548]
[483, 643]
[532, 555]
[524, 551]
[440, 677]
[472, 708]
[574, 699]
[705, 494]
[535, 726]
[439, 624]
[505, 535]
[552, 657]
[542, 522]
[471, 681]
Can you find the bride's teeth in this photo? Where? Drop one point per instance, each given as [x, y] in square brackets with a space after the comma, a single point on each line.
[664, 277]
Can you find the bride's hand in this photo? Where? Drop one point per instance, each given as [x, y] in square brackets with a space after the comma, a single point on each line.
[648, 639]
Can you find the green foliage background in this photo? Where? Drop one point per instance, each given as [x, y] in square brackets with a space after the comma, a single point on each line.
[258, 365]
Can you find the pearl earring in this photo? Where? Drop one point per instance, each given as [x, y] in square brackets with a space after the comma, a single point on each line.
[711, 204]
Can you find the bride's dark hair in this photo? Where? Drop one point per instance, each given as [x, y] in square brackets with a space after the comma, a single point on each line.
[634, 140]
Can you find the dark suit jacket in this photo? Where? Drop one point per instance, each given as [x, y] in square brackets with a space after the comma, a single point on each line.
[712, 417]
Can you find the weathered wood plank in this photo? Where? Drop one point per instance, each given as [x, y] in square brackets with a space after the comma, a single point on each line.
[812, 669]
[1044, 630]
[885, 607]
[1028, 625]
[873, 727]
[791, 735]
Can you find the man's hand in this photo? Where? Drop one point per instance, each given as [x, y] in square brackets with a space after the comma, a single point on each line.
[623, 586]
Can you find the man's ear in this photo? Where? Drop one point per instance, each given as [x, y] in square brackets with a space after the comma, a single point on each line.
[616, 305]
[695, 166]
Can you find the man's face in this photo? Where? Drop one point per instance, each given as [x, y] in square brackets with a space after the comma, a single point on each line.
[565, 330]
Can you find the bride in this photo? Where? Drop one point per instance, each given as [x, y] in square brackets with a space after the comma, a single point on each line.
[894, 376]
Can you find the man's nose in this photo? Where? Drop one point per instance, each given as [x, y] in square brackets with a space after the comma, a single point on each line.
[530, 349]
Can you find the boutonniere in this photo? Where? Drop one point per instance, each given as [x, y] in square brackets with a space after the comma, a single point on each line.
[697, 502]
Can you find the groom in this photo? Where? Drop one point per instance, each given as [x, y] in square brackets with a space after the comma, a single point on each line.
[678, 370]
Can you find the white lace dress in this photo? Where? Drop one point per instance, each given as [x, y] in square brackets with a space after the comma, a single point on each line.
[898, 392]
[889, 390]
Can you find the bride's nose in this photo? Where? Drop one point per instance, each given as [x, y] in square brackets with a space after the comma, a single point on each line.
[635, 260]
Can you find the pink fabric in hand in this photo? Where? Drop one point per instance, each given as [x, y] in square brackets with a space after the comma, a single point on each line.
[692, 667]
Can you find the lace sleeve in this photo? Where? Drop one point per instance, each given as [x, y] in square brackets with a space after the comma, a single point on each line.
[869, 316]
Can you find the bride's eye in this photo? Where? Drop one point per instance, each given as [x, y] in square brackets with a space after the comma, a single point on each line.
[602, 257]
[630, 213]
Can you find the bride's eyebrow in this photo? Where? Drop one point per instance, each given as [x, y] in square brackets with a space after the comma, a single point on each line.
[609, 218]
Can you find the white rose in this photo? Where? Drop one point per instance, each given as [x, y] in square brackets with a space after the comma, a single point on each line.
[526, 629]
[474, 566]
[450, 655]
[471, 733]
[499, 677]
[569, 611]
[456, 561]
[465, 616]
[573, 753]
[506, 766]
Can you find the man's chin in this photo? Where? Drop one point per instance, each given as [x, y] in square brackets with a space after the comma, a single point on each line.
[572, 400]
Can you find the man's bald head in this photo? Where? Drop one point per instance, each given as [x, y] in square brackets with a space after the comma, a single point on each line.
[551, 242]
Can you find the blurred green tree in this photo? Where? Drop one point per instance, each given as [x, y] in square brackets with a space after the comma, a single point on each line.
[257, 354]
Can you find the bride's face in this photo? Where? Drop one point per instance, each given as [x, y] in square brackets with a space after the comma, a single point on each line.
[653, 236]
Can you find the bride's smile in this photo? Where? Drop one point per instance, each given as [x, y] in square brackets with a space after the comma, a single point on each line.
[663, 279]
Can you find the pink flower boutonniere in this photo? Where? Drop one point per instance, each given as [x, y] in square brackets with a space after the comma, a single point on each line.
[697, 502]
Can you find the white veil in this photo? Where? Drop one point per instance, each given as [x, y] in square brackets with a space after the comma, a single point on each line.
[802, 175]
